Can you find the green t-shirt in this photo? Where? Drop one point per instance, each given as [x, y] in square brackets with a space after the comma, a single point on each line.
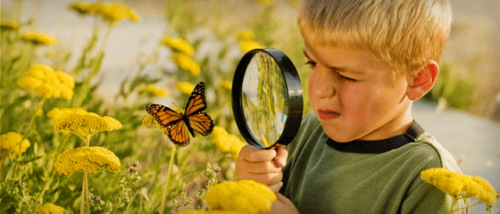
[322, 176]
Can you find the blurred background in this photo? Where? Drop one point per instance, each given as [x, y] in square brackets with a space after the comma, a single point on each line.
[462, 111]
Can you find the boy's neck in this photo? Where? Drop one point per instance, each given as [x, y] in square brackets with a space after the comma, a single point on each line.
[397, 126]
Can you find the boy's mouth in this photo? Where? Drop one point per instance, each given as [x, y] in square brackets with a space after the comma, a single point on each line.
[326, 114]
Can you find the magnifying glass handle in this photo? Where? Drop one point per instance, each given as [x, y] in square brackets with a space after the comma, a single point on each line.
[281, 155]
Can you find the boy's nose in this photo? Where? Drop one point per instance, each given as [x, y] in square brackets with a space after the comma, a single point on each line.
[324, 88]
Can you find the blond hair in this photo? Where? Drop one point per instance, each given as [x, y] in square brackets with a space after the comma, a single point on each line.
[402, 33]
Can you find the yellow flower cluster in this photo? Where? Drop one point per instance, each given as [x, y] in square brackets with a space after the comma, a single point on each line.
[210, 212]
[86, 123]
[178, 44]
[10, 141]
[249, 45]
[457, 184]
[81, 8]
[226, 85]
[57, 113]
[266, 2]
[49, 208]
[38, 38]
[113, 12]
[48, 83]
[227, 142]
[246, 35]
[185, 87]
[186, 63]
[9, 25]
[86, 159]
[150, 123]
[244, 196]
[153, 91]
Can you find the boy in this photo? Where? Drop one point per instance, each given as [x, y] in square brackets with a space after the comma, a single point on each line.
[360, 151]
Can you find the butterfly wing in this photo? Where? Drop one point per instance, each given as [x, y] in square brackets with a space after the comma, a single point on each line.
[163, 115]
[201, 123]
[196, 101]
[178, 133]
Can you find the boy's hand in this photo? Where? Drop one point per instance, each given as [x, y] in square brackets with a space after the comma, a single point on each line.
[263, 166]
[282, 205]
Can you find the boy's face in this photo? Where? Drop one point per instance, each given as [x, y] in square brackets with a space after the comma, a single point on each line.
[354, 96]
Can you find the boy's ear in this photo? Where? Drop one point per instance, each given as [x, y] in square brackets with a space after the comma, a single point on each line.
[423, 81]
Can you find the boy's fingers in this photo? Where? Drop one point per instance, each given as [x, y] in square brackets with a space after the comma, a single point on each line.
[276, 187]
[267, 179]
[281, 156]
[252, 154]
[262, 167]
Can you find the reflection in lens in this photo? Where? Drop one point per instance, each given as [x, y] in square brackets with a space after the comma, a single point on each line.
[264, 99]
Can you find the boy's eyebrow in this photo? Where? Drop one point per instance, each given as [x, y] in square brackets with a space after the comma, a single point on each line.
[336, 68]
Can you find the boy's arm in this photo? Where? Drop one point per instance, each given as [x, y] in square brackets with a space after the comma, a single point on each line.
[263, 166]
[282, 205]
[427, 199]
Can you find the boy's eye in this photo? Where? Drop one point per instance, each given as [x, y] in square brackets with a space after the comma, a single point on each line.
[347, 79]
[311, 63]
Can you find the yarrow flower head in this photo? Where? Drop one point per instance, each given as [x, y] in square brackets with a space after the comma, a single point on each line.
[457, 184]
[246, 35]
[57, 113]
[244, 196]
[153, 91]
[227, 142]
[9, 25]
[38, 38]
[86, 159]
[48, 83]
[86, 123]
[226, 85]
[186, 63]
[185, 87]
[10, 143]
[178, 44]
[82, 8]
[150, 123]
[113, 12]
[49, 208]
[246, 46]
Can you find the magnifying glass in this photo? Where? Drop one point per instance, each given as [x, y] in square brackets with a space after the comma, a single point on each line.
[267, 98]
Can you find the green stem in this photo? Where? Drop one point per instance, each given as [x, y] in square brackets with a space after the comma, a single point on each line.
[27, 130]
[453, 205]
[84, 205]
[105, 39]
[165, 186]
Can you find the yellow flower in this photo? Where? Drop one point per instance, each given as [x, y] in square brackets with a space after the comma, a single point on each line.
[153, 91]
[49, 208]
[186, 63]
[246, 35]
[86, 124]
[227, 142]
[245, 196]
[9, 25]
[178, 44]
[86, 159]
[113, 12]
[246, 46]
[10, 141]
[185, 87]
[57, 113]
[46, 83]
[266, 2]
[227, 85]
[210, 212]
[38, 38]
[82, 8]
[457, 184]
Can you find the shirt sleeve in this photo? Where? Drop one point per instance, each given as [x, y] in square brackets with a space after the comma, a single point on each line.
[425, 198]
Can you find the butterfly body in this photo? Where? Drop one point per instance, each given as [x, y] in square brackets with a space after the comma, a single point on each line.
[192, 121]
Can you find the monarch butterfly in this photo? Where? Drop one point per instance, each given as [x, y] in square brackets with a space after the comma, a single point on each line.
[179, 124]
